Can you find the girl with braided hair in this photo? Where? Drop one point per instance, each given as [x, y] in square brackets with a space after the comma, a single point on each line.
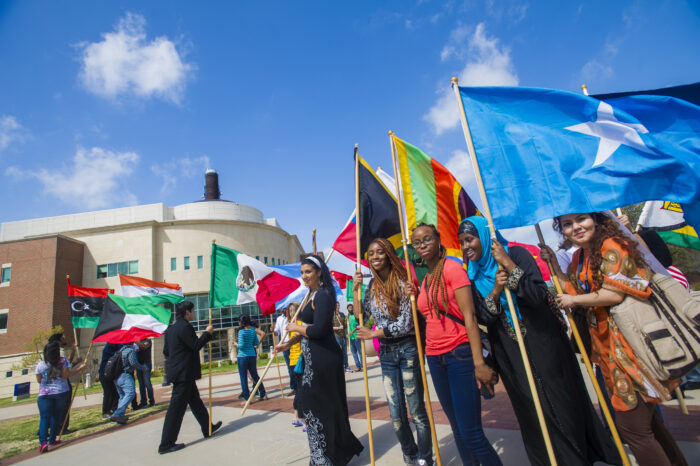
[577, 435]
[607, 267]
[387, 300]
[453, 346]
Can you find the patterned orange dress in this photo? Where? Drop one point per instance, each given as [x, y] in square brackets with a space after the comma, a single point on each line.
[625, 378]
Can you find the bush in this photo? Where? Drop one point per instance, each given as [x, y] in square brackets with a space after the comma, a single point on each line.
[263, 355]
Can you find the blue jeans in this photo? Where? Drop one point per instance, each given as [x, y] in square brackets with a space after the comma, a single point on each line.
[127, 392]
[456, 388]
[344, 349]
[248, 364]
[52, 409]
[402, 383]
[292, 378]
[145, 385]
[356, 350]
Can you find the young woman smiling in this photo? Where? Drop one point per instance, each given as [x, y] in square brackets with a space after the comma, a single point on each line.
[453, 346]
[607, 267]
[577, 435]
[387, 299]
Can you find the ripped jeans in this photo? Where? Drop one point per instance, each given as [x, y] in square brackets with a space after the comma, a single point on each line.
[402, 383]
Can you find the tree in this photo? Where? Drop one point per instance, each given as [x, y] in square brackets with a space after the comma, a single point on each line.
[35, 347]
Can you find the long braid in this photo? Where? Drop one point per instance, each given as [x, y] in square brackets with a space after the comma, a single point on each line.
[389, 291]
[435, 284]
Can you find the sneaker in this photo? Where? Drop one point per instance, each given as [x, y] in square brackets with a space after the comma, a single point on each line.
[68, 431]
[241, 397]
[422, 462]
[44, 448]
[55, 442]
[297, 423]
[409, 460]
[105, 417]
[118, 419]
[347, 369]
[291, 393]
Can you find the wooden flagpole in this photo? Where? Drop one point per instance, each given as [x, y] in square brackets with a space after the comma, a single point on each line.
[75, 340]
[404, 241]
[361, 318]
[279, 374]
[314, 240]
[509, 297]
[587, 362]
[267, 368]
[75, 390]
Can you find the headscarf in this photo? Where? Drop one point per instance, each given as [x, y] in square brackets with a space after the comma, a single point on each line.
[483, 272]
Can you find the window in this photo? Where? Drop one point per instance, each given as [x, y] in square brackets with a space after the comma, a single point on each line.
[272, 259]
[133, 267]
[200, 262]
[8, 374]
[3, 320]
[102, 271]
[5, 274]
[187, 262]
[257, 258]
[266, 259]
[25, 371]
[173, 264]
[123, 268]
[111, 270]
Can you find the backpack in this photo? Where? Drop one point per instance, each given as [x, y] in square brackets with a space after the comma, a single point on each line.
[664, 330]
[114, 367]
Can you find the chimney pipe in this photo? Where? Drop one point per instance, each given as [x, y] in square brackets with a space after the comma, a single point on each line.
[211, 185]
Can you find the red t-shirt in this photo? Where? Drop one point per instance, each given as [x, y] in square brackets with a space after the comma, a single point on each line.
[441, 333]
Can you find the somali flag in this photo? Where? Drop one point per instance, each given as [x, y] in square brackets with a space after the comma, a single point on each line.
[544, 153]
[294, 271]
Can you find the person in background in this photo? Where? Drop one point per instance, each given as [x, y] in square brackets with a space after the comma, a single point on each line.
[52, 374]
[340, 330]
[110, 397]
[125, 381]
[355, 343]
[73, 359]
[280, 325]
[248, 340]
[294, 356]
[144, 376]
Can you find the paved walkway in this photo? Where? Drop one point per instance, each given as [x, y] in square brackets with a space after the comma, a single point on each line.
[264, 435]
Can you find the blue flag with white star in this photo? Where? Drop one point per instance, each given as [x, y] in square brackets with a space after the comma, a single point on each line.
[544, 153]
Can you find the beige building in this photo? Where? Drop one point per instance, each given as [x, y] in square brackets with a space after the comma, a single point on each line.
[165, 243]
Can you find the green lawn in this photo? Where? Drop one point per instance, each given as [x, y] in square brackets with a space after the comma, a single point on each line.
[19, 435]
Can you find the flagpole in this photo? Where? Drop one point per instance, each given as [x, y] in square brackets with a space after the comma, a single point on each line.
[358, 247]
[314, 240]
[587, 362]
[419, 344]
[80, 378]
[509, 298]
[75, 339]
[279, 374]
[210, 407]
[267, 368]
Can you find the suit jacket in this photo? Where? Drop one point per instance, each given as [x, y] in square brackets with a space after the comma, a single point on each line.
[182, 351]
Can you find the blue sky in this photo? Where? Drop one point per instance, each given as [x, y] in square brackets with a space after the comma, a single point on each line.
[107, 104]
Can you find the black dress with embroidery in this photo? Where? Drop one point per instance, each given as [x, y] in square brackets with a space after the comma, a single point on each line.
[578, 436]
[322, 396]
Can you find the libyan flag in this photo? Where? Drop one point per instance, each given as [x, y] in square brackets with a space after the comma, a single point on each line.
[86, 304]
[125, 320]
[238, 279]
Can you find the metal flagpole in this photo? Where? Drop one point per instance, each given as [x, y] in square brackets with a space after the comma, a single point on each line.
[404, 240]
[509, 297]
[361, 323]
[587, 362]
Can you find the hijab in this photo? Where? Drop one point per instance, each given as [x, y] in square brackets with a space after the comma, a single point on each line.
[483, 271]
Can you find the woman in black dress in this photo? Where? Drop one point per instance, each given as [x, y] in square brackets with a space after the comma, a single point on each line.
[322, 396]
[577, 435]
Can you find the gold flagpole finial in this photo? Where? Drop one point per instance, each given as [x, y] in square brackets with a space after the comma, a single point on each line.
[391, 133]
[454, 80]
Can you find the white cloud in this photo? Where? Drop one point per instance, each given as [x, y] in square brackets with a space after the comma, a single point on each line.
[95, 180]
[125, 62]
[11, 131]
[185, 167]
[489, 65]
[595, 71]
[460, 165]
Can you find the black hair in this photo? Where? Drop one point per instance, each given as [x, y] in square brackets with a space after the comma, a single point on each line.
[52, 356]
[658, 247]
[326, 280]
[245, 321]
[57, 337]
[182, 308]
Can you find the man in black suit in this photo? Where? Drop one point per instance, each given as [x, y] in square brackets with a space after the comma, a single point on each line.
[182, 353]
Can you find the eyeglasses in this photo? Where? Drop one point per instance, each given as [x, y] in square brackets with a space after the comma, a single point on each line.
[425, 242]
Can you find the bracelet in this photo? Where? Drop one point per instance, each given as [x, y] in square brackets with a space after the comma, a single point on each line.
[514, 278]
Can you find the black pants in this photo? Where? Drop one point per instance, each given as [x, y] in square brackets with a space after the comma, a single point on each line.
[184, 394]
[109, 397]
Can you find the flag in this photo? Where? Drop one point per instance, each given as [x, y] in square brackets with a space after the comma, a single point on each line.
[535, 253]
[667, 219]
[238, 279]
[125, 320]
[545, 153]
[687, 92]
[137, 286]
[294, 271]
[432, 195]
[86, 304]
[379, 215]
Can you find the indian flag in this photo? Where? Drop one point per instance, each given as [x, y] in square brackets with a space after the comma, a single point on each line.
[126, 319]
[137, 286]
[432, 195]
[667, 219]
[237, 278]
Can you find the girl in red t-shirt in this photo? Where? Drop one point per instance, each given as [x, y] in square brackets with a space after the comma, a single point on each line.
[453, 346]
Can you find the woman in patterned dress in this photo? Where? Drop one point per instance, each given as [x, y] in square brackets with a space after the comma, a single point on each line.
[607, 267]
[322, 396]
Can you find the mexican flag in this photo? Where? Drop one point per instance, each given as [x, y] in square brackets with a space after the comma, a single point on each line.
[667, 219]
[137, 286]
[238, 279]
[86, 304]
[125, 319]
